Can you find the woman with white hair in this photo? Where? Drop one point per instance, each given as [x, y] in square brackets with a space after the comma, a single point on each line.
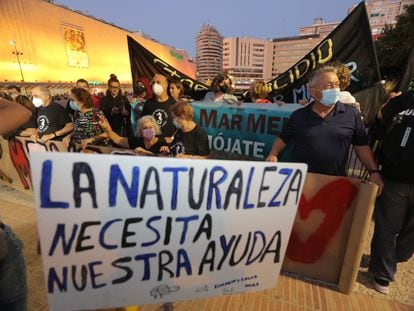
[147, 140]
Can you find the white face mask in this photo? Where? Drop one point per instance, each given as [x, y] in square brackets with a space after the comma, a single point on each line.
[37, 102]
[157, 89]
[330, 97]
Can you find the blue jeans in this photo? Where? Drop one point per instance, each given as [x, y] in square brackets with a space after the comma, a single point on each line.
[393, 239]
[13, 288]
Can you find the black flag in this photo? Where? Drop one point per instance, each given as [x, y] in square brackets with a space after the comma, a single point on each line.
[145, 64]
[349, 43]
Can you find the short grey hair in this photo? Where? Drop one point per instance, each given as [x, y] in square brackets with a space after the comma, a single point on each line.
[44, 91]
[152, 120]
[315, 75]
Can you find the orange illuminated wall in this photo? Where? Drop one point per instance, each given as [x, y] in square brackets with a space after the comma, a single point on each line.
[97, 49]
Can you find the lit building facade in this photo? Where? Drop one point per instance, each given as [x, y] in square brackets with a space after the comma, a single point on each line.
[319, 27]
[209, 49]
[383, 12]
[57, 45]
[288, 51]
[247, 59]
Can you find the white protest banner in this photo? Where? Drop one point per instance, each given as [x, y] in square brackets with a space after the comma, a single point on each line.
[126, 230]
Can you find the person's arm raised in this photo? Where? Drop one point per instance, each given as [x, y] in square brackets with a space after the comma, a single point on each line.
[104, 124]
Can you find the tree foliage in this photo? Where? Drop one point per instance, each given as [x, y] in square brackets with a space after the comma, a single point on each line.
[394, 46]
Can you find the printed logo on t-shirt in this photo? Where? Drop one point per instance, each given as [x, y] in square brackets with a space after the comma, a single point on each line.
[177, 148]
[160, 116]
[43, 123]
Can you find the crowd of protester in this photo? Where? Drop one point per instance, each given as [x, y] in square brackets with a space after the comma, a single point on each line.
[159, 121]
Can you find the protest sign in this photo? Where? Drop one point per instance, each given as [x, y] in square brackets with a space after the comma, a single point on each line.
[119, 230]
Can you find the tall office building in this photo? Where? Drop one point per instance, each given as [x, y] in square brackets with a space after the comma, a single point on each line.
[288, 51]
[319, 27]
[209, 57]
[247, 59]
[383, 12]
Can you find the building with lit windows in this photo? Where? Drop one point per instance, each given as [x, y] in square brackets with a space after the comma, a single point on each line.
[247, 59]
[288, 51]
[43, 42]
[209, 53]
[383, 12]
[319, 27]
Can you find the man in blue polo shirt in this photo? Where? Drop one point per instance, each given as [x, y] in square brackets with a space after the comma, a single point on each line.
[322, 131]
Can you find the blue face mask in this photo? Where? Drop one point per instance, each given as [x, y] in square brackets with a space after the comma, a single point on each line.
[330, 97]
[176, 124]
[74, 105]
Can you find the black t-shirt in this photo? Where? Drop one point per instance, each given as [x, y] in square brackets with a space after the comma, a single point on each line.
[323, 143]
[120, 123]
[32, 123]
[194, 142]
[161, 113]
[135, 142]
[396, 153]
[51, 119]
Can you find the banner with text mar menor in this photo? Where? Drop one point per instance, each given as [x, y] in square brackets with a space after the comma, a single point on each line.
[248, 130]
[119, 231]
[350, 43]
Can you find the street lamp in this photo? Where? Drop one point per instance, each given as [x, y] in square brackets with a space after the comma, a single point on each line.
[17, 53]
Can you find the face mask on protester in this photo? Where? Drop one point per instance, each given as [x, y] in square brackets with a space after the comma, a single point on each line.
[37, 102]
[176, 124]
[140, 89]
[224, 88]
[74, 105]
[14, 96]
[157, 89]
[148, 134]
[330, 96]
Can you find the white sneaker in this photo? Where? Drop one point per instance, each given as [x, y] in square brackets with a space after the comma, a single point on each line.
[381, 286]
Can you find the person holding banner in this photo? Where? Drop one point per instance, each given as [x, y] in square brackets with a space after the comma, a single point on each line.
[148, 140]
[190, 141]
[159, 107]
[322, 131]
[85, 119]
[53, 121]
[222, 88]
[258, 93]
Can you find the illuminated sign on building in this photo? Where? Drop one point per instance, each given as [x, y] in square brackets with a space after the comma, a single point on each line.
[75, 47]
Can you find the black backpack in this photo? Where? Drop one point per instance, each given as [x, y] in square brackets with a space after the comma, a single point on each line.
[397, 148]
